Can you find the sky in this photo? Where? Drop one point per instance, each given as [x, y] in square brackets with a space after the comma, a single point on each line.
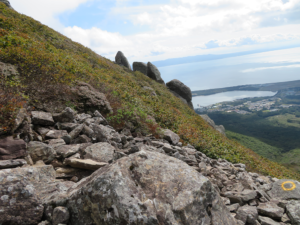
[152, 30]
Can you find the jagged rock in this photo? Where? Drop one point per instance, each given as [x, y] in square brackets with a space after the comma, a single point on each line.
[76, 131]
[267, 221]
[98, 115]
[44, 223]
[285, 190]
[154, 73]
[122, 60]
[67, 126]
[54, 143]
[86, 164]
[22, 114]
[248, 195]
[20, 202]
[40, 151]
[65, 173]
[61, 215]
[42, 118]
[100, 152]
[12, 163]
[56, 134]
[219, 128]
[67, 150]
[104, 133]
[81, 118]
[66, 116]
[171, 136]
[233, 207]
[42, 130]
[11, 149]
[143, 189]
[285, 218]
[293, 211]
[91, 99]
[82, 139]
[247, 214]
[140, 66]
[270, 210]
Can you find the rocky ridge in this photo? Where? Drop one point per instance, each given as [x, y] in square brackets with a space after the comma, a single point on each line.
[76, 169]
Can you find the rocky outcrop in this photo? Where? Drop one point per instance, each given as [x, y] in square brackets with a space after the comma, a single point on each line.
[219, 128]
[122, 60]
[182, 91]
[6, 3]
[154, 73]
[91, 99]
[110, 177]
[12, 149]
[140, 66]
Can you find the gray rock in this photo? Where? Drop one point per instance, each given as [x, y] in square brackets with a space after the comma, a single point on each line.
[122, 60]
[140, 66]
[68, 126]
[11, 149]
[234, 207]
[20, 201]
[170, 136]
[248, 195]
[68, 172]
[54, 143]
[42, 118]
[61, 215]
[149, 89]
[40, 151]
[67, 139]
[143, 189]
[104, 133]
[271, 210]
[82, 139]
[247, 214]
[7, 3]
[86, 164]
[285, 190]
[44, 223]
[66, 116]
[267, 221]
[91, 99]
[12, 163]
[67, 150]
[181, 89]
[219, 128]
[74, 133]
[98, 115]
[154, 73]
[285, 218]
[22, 114]
[293, 211]
[56, 134]
[100, 152]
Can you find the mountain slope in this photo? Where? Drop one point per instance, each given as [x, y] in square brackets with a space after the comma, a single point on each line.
[49, 64]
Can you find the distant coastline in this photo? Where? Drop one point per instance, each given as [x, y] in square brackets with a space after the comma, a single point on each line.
[251, 87]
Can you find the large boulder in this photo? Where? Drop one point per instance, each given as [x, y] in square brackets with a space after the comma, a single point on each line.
[171, 137]
[122, 60]
[146, 188]
[219, 128]
[154, 73]
[91, 99]
[179, 88]
[285, 189]
[20, 202]
[66, 116]
[42, 118]
[12, 149]
[140, 66]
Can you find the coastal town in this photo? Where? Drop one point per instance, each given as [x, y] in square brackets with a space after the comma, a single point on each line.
[247, 107]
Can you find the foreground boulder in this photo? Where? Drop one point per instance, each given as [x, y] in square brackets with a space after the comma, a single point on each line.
[122, 60]
[154, 73]
[147, 188]
[12, 149]
[182, 91]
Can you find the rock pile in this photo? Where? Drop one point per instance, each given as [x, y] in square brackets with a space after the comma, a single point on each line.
[76, 169]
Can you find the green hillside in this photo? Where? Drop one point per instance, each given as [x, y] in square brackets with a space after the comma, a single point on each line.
[49, 63]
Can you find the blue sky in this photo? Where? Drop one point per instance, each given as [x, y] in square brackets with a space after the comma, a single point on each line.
[160, 29]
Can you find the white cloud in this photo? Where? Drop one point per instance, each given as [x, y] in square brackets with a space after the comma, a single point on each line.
[270, 68]
[46, 11]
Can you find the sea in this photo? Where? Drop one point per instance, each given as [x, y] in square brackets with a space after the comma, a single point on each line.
[259, 68]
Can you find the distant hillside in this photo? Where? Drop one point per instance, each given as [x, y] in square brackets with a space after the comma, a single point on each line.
[251, 87]
[49, 65]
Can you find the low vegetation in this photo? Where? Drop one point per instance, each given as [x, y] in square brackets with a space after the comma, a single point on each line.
[49, 63]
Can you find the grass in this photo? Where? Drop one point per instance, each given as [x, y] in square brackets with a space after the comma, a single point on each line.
[285, 120]
[50, 63]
